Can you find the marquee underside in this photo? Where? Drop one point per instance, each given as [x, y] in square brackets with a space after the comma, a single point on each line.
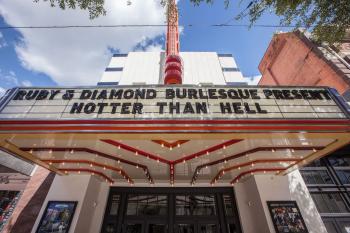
[186, 153]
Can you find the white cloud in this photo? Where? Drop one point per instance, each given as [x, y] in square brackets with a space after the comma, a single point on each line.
[8, 79]
[2, 41]
[78, 56]
[153, 48]
[253, 80]
[26, 83]
[2, 91]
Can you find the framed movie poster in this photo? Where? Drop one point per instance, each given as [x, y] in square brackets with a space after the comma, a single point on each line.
[57, 217]
[286, 217]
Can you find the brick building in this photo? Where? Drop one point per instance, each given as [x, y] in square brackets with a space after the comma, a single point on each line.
[294, 59]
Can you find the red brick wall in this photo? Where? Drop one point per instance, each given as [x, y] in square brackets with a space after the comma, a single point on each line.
[30, 203]
[290, 61]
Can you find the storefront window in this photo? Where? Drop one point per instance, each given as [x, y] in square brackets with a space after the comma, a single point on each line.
[329, 203]
[195, 205]
[344, 176]
[147, 205]
[316, 177]
[339, 162]
[114, 205]
[228, 205]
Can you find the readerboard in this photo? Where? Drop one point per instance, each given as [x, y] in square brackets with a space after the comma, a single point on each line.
[168, 102]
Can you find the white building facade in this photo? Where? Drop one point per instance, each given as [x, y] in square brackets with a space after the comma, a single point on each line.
[147, 68]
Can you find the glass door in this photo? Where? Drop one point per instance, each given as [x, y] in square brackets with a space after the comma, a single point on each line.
[156, 227]
[171, 210]
[185, 227]
[207, 228]
[133, 227]
[196, 227]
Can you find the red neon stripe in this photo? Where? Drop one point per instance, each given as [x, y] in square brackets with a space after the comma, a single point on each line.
[170, 145]
[241, 154]
[152, 122]
[171, 163]
[134, 150]
[329, 152]
[256, 170]
[88, 170]
[258, 149]
[220, 173]
[117, 170]
[209, 150]
[87, 150]
[172, 129]
[82, 149]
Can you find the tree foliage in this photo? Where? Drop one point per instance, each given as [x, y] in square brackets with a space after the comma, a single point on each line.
[328, 20]
[94, 7]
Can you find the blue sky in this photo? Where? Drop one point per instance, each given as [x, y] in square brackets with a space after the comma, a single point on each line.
[42, 57]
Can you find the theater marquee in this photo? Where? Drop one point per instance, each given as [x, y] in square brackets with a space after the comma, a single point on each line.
[165, 102]
[113, 131]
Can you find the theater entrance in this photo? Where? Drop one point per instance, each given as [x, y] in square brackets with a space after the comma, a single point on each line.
[171, 210]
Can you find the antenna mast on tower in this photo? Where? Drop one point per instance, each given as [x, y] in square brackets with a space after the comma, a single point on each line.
[173, 63]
